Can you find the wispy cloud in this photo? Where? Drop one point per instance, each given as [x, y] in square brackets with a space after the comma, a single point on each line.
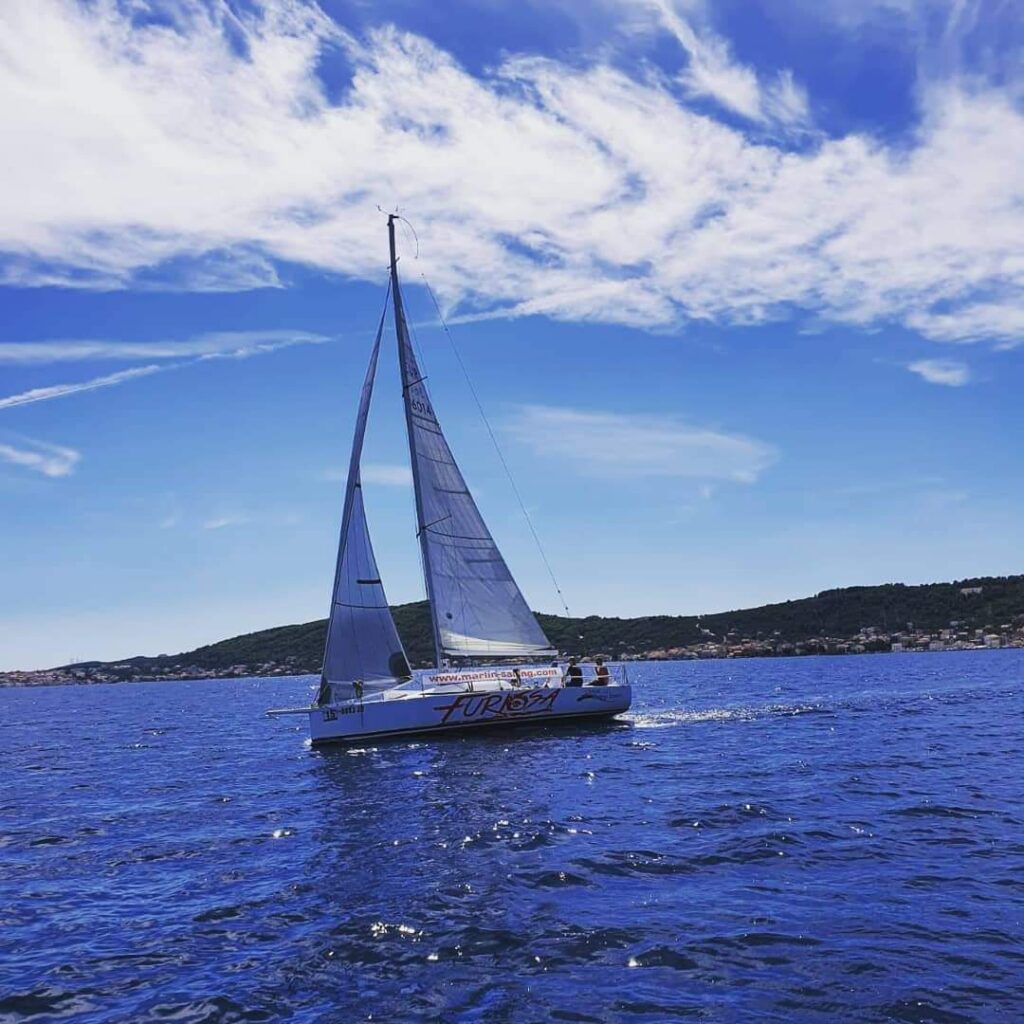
[49, 459]
[62, 390]
[949, 372]
[222, 522]
[577, 191]
[227, 345]
[713, 72]
[615, 445]
[233, 517]
[944, 39]
[238, 344]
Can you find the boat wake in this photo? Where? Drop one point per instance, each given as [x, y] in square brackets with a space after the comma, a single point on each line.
[681, 716]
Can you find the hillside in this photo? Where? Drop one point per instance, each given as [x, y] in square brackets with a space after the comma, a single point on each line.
[851, 619]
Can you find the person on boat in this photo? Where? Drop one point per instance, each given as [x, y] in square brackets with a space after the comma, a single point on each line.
[517, 679]
[602, 677]
[324, 695]
[573, 674]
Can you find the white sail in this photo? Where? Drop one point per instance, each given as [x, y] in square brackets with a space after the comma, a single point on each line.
[477, 609]
[362, 646]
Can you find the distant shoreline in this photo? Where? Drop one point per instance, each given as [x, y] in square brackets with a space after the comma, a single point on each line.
[10, 683]
[979, 613]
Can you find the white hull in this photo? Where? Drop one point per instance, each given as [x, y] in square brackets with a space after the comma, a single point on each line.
[398, 713]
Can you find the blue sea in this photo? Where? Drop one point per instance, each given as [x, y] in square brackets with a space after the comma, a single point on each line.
[817, 839]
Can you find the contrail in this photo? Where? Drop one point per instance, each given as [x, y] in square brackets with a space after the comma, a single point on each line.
[60, 390]
[239, 345]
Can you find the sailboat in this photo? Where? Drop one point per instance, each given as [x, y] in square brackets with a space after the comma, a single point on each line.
[494, 665]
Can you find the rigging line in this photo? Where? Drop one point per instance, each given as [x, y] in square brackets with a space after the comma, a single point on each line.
[416, 237]
[497, 448]
[399, 216]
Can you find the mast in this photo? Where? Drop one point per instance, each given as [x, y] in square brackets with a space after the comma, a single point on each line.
[409, 381]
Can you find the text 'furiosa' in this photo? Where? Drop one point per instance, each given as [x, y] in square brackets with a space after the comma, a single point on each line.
[498, 705]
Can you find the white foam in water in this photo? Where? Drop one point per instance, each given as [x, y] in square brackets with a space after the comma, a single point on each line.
[664, 719]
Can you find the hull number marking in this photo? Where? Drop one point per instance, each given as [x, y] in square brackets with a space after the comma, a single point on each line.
[331, 714]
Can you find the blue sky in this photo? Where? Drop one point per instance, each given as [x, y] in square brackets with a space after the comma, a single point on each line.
[740, 285]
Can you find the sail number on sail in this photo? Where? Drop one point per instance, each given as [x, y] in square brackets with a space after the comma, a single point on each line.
[422, 408]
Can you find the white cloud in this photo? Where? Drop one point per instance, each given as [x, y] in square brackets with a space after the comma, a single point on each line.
[61, 390]
[975, 322]
[141, 153]
[49, 459]
[388, 475]
[713, 72]
[615, 446]
[220, 344]
[950, 372]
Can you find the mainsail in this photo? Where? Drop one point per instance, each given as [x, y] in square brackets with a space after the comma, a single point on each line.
[477, 609]
[362, 642]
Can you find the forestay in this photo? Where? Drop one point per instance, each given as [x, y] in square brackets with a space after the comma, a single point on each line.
[362, 641]
[478, 610]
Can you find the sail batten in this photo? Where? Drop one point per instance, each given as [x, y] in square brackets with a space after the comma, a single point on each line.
[363, 646]
[477, 609]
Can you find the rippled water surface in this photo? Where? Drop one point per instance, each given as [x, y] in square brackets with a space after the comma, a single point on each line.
[784, 840]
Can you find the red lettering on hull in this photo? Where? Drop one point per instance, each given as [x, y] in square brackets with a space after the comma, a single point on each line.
[468, 706]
